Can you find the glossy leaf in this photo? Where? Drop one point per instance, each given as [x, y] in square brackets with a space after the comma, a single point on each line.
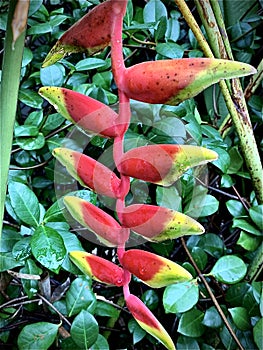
[173, 81]
[89, 114]
[84, 330]
[38, 335]
[154, 270]
[25, 203]
[105, 227]
[190, 323]
[229, 269]
[90, 34]
[98, 268]
[80, 296]
[48, 248]
[148, 321]
[163, 164]
[89, 172]
[180, 297]
[158, 223]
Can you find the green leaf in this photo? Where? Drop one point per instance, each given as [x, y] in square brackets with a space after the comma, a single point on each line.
[235, 208]
[106, 309]
[180, 297]
[170, 50]
[30, 98]
[223, 160]
[150, 299]
[48, 248]
[80, 296]
[169, 198]
[248, 242]
[212, 244]
[136, 330]
[38, 336]
[257, 333]
[212, 318]
[246, 226]
[256, 214]
[22, 250]
[235, 293]
[153, 11]
[25, 130]
[84, 330]
[190, 323]
[236, 161]
[240, 317]
[30, 285]
[8, 262]
[90, 63]
[25, 203]
[187, 343]
[200, 257]
[201, 206]
[53, 75]
[100, 344]
[31, 143]
[229, 269]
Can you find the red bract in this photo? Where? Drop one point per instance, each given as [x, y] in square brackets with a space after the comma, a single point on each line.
[148, 321]
[173, 81]
[89, 114]
[154, 270]
[158, 223]
[163, 164]
[89, 172]
[107, 229]
[91, 34]
[98, 268]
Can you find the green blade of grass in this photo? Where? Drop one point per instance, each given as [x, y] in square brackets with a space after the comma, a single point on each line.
[8, 100]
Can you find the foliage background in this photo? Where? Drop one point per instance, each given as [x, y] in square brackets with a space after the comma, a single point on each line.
[54, 306]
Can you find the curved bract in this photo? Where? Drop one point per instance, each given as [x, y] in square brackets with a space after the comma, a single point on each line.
[89, 114]
[154, 270]
[158, 224]
[148, 321]
[98, 268]
[90, 34]
[163, 164]
[89, 172]
[173, 81]
[105, 227]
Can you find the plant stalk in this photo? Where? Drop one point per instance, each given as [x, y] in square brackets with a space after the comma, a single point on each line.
[236, 106]
[8, 100]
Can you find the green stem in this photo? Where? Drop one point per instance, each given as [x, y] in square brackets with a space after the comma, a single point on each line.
[8, 100]
[236, 106]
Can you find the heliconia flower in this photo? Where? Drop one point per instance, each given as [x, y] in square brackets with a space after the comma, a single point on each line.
[89, 172]
[89, 114]
[148, 321]
[105, 227]
[173, 81]
[90, 34]
[154, 270]
[99, 269]
[163, 164]
[158, 223]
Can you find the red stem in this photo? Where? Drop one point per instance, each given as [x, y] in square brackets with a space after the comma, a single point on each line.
[118, 67]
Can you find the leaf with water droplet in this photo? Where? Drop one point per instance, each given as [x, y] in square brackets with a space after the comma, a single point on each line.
[48, 248]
